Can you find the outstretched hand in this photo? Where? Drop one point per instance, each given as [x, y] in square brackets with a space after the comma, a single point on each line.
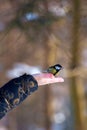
[47, 78]
[17, 90]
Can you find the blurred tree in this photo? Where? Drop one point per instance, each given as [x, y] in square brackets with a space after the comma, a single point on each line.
[77, 89]
[50, 54]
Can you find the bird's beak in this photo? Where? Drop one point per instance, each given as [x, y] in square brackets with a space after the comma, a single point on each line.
[47, 78]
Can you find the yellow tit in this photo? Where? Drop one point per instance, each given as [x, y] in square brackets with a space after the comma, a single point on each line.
[54, 69]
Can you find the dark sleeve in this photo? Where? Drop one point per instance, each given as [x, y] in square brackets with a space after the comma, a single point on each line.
[15, 91]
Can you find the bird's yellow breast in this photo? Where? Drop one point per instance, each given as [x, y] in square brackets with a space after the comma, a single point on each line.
[52, 70]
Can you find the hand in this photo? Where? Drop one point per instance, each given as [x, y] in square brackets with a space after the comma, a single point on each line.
[47, 78]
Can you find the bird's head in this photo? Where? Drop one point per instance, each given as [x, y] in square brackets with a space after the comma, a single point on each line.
[58, 67]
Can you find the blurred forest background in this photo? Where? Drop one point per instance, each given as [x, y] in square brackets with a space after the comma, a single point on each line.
[35, 34]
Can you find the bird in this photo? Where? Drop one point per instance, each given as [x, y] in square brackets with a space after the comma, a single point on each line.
[54, 69]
